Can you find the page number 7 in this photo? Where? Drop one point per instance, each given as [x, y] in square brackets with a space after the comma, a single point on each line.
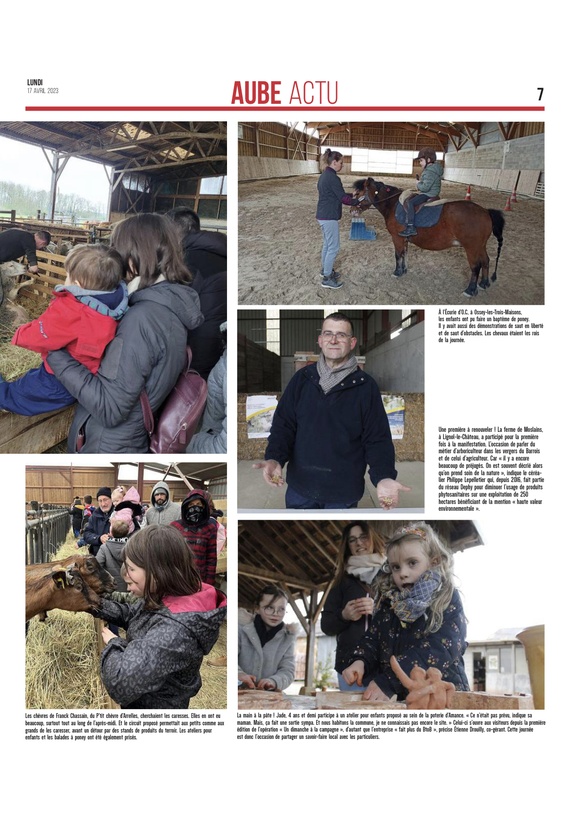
[540, 92]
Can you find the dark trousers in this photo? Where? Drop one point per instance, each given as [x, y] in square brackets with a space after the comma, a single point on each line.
[415, 200]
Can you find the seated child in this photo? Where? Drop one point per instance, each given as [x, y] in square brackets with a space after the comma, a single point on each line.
[81, 317]
[419, 620]
[429, 185]
[266, 646]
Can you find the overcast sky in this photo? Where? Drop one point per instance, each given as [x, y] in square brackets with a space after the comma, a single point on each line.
[27, 165]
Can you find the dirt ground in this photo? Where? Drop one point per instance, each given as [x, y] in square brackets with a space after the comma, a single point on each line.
[280, 245]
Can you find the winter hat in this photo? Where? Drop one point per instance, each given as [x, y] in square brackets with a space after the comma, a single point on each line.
[104, 491]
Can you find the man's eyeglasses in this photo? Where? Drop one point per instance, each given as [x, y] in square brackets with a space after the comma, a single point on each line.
[329, 335]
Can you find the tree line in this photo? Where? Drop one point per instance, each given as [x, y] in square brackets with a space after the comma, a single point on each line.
[28, 201]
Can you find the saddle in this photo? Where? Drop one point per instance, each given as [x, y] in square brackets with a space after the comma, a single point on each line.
[427, 213]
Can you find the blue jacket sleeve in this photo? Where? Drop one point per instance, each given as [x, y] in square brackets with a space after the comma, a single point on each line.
[281, 440]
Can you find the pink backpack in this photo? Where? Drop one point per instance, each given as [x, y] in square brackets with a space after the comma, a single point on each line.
[180, 413]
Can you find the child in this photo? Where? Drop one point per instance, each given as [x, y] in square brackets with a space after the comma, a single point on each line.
[174, 623]
[429, 185]
[127, 504]
[200, 532]
[77, 517]
[110, 554]
[419, 620]
[81, 317]
[332, 197]
[266, 646]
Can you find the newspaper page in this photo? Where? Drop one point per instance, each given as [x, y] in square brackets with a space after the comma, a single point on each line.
[474, 390]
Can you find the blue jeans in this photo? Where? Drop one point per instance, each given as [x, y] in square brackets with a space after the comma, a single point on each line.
[331, 244]
[37, 392]
[295, 501]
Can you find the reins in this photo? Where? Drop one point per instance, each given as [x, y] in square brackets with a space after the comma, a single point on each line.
[375, 201]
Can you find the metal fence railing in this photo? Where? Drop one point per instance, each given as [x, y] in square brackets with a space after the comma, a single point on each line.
[45, 534]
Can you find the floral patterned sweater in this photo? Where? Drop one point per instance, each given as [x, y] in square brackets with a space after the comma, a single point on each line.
[411, 646]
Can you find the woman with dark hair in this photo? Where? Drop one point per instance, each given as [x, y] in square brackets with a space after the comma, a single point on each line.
[332, 197]
[149, 349]
[174, 623]
[348, 609]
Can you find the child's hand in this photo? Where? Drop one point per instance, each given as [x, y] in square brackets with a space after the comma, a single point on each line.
[248, 681]
[374, 693]
[354, 673]
[107, 635]
[426, 690]
[265, 683]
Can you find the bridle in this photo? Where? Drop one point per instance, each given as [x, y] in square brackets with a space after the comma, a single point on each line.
[376, 201]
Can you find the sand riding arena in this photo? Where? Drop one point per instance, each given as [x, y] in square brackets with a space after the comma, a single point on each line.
[280, 243]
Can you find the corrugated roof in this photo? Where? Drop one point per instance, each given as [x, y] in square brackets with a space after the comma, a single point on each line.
[199, 147]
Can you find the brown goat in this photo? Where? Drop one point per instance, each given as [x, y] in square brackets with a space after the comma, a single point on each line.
[72, 584]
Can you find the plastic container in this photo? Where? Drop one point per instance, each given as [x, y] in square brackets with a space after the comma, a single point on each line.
[358, 231]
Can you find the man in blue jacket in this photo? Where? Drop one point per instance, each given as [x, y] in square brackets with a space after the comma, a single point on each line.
[97, 530]
[329, 426]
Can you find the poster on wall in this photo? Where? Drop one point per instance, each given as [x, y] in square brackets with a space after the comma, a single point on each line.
[395, 408]
[259, 411]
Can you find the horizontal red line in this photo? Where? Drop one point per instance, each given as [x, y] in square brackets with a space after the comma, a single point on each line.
[285, 108]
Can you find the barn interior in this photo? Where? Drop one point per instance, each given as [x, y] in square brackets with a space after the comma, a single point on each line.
[150, 167]
[502, 155]
[275, 343]
[62, 654]
[498, 166]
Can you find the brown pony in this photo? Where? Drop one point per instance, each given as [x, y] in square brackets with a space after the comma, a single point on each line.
[462, 223]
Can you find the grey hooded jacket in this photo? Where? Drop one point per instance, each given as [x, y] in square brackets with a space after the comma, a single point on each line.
[148, 351]
[164, 514]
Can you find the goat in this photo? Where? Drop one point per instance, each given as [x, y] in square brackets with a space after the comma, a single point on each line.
[72, 584]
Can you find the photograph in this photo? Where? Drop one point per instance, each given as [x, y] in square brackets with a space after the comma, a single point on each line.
[331, 409]
[126, 586]
[366, 615]
[113, 290]
[391, 212]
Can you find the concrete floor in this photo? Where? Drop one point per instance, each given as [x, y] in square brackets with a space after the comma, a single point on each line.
[255, 494]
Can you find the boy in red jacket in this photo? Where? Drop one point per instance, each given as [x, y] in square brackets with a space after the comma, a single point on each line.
[82, 317]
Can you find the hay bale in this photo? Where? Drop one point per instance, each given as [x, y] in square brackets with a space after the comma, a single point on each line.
[62, 663]
[15, 361]
[409, 448]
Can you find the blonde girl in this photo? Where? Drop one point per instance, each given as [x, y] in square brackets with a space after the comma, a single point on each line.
[419, 620]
